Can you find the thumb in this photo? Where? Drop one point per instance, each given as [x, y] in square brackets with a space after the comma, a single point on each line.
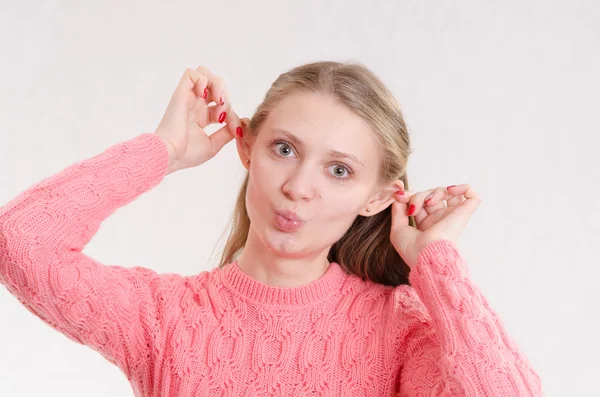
[401, 232]
[245, 122]
[399, 215]
[218, 139]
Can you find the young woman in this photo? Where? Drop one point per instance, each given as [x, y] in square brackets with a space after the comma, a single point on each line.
[336, 280]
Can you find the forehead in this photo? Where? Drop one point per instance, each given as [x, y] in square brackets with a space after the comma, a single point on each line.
[323, 123]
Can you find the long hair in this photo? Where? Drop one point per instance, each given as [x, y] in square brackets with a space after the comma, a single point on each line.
[365, 249]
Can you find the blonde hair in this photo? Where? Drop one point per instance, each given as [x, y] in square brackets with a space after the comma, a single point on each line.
[365, 249]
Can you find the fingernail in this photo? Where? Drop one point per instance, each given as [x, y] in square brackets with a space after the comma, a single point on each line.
[240, 132]
[411, 209]
[205, 93]
[450, 186]
[222, 117]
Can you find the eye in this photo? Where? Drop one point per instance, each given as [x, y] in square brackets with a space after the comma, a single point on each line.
[285, 145]
[339, 168]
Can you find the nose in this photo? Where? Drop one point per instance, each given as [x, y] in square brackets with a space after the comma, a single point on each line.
[301, 184]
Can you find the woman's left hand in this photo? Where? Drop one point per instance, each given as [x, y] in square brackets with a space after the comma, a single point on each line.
[435, 220]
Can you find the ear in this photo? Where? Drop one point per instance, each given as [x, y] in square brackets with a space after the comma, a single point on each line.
[244, 144]
[381, 198]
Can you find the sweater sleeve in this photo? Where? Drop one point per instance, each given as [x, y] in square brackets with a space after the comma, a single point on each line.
[43, 231]
[453, 343]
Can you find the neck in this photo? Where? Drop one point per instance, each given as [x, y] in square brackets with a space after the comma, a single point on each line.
[272, 267]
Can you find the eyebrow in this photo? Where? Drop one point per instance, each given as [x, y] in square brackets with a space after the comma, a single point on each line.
[333, 153]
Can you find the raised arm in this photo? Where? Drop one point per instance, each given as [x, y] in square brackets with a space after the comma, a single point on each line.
[43, 231]
[451, 342]
[112, 309]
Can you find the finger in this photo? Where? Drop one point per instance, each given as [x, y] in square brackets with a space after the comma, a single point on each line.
[399, 215]
[417, 200]
[217, 114]
[199, 114]
[186, 85]
[245, 123]
[230, 117]
[216, 90]
[219, 139]
[405, 197]
[245, 126]
[202, 87]
[435, 200]
[420, 215]
[218, 93]
[416, 204]
[472, 200]
[455, 201]
[210, 86]
[456, 194]
[234, 123]
[188, 80]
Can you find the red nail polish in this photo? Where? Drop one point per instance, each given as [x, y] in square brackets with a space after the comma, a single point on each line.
[222, 117]
[428, 200]
[205, 93]
[411, 209]
[400, 192]
[240, 132]
[450, 186]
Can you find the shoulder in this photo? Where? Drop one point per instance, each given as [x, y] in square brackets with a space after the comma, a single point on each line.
[402, 311]
[143, 278]
[206, 281]
[407, 303]
[399, 299]
[398, 304]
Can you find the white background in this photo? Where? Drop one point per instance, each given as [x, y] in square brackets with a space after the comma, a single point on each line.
[499, 94]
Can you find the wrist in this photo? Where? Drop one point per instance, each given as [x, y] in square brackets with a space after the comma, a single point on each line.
[172, 157]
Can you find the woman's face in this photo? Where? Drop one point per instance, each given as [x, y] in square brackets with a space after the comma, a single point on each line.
[309, 175]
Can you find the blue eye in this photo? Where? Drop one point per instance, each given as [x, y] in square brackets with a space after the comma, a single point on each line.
[284, 144]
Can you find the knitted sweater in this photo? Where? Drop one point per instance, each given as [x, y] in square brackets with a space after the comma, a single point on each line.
[220, 332]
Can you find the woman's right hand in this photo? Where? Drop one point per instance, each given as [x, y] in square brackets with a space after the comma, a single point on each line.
[188, 113]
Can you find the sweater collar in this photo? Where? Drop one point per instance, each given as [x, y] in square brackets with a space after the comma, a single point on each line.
[248, 287]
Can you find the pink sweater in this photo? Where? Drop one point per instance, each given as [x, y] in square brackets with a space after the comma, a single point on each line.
[221, 332]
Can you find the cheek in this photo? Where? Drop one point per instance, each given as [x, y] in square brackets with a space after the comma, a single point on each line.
[341, 204]
[262, 187]
[337, 213]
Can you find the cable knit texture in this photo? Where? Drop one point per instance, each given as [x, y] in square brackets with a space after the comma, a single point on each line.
[222, 333]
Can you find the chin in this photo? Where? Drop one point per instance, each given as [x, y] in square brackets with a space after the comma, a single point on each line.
[282, 243]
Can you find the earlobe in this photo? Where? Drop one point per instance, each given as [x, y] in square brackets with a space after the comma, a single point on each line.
[246, 164]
